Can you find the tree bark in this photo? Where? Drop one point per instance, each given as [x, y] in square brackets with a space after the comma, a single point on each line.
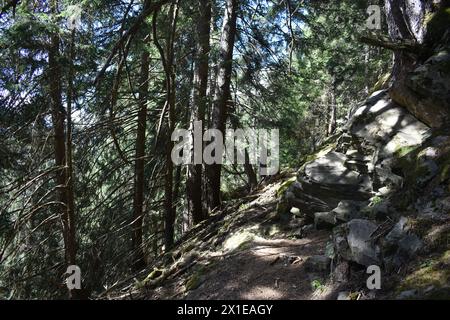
[332, 110]
[139, 177]
[167, 58]
[405, 20]
[222, 92]
[61, 142]
[199, 100]
[250, 172]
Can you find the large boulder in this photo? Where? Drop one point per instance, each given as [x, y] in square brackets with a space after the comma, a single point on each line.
[326, 181]
[388, 125]
[353, 242]
[426, 91]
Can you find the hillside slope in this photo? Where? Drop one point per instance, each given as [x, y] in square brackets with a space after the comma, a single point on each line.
[377, 193]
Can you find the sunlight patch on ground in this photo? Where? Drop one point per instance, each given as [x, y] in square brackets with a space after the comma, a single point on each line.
[262, 292]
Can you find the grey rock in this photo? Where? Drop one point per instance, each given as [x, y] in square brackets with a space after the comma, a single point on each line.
[410, 245]
[296, 212]
[408, 295]
[308, 228]
[325, 220]
[429, 169]
[398, 231]
[385, 177]
[382, 210]
[331, 169]
[363, 251]
[387, 126]
[348, 210]
[341, 272]
[320, 264]
[357, 165]
[344, 295]
[426, 91]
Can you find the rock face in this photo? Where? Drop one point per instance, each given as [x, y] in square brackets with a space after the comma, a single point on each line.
[338, 184]
[353, 241]
[353, 184]
[382, 185]
[426, 91]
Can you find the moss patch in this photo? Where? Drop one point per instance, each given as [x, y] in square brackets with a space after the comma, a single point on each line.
[381, 84]
[239, 240]
[194, 281]
[404, 151]
[432, 272]
[285, 185]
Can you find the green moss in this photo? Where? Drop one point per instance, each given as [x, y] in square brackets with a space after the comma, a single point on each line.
[327, 148]
[404, 151]
[317, 285]
[353, 295]
[445, 172]
[377, 200]
[410, 163]
[435, 272]
[285, 185]
[189, 246]
[382, 83]
[239, 241]
[156, 273]
[194, 281]
[281, 210]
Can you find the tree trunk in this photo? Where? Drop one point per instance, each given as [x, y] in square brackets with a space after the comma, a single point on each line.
[62, 162]
[169, 208]
[139, 178]
[332, 110]
[405, 20]
[222, 92]
[199, 100]
[250, 172]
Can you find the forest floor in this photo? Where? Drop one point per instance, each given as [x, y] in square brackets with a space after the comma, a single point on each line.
[245, 252]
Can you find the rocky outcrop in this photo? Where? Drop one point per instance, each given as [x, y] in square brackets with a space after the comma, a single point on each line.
[382, 176]
[336, 186]
[426, 91]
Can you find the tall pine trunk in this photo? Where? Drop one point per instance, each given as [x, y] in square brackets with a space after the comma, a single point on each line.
[63, 159]
[199, 100]
[222, 92]
[139, 177]
[168, 62]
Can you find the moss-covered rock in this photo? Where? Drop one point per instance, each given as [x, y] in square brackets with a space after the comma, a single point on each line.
[434, 272]
[285, 186]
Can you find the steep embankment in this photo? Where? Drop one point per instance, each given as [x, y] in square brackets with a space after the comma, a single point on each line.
[378, 193]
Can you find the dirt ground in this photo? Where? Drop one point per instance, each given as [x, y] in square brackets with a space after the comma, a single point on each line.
[269, 269]
[247, 261]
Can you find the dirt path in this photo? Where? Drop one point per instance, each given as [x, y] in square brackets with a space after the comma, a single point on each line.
[247, 255]
[269, 269]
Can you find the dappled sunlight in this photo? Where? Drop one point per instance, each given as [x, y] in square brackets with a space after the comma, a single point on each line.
[262, 293]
